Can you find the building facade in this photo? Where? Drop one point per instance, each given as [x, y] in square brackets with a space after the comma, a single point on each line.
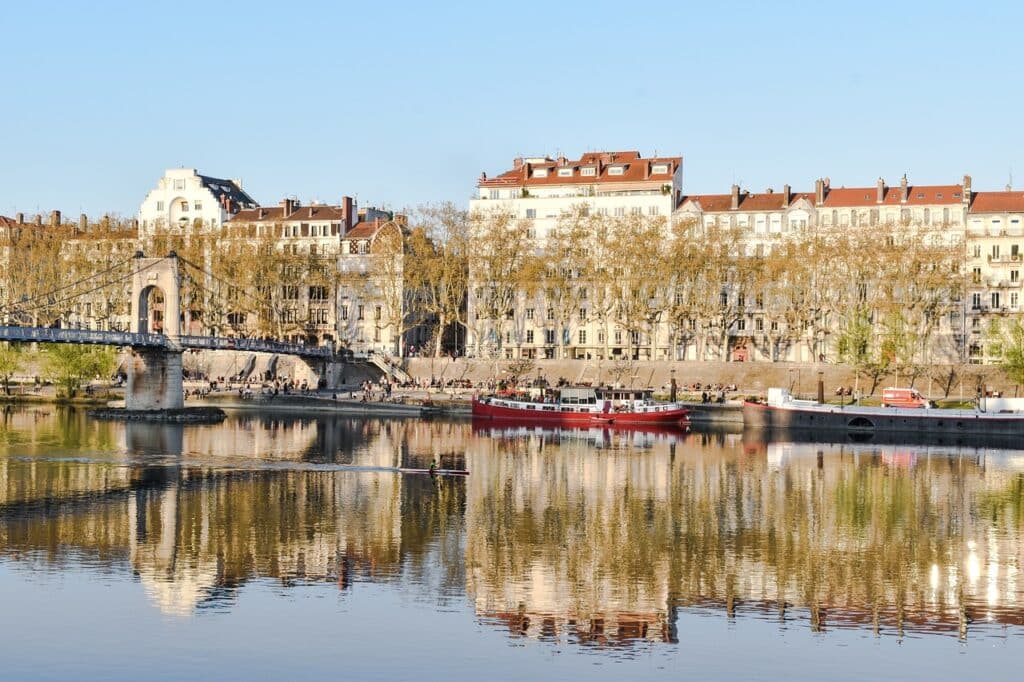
[540, 192]
[184, 200]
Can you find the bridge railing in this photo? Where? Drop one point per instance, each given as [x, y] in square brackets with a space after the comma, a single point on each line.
[254, 345]
[88, 336]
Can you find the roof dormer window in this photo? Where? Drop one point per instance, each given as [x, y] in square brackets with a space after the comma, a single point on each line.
[659, 168]
[540, 172]
[565, 172]
[616, 170]
[589, 171]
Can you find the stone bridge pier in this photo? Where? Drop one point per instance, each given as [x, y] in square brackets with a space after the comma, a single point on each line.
[155, 374]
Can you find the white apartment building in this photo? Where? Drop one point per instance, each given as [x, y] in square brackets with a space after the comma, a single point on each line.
[541, 190]
[995, 261]
[183, 199]
[766, 219]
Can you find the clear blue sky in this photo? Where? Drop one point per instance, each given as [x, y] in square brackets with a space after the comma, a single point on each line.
[407, 103]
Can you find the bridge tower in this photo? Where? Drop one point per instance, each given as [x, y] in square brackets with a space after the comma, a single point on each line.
[154, 374]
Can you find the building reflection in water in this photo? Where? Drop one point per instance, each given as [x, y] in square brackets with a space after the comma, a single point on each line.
[598, 537]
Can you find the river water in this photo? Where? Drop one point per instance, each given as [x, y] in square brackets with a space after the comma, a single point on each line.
[273, 546]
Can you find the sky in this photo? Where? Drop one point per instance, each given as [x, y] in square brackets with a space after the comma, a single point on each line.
[400, 104]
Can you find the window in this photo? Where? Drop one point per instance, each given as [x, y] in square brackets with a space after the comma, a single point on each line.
[995, 251]
[618, 336]
[290, 292]
[493, 194]
[184, 207]
[540, 172]
[159, 205]
[620, 211]
[344, 312]
[616, 170]
[549, 336]
[975, 301]
[1013, 299]
[583, 314]
[659, 168]
[529, 313]
[359, 313]
[376, 334]
[318, 315]
[179, 184]
[653, 210]
[551, 313]
[602, 211]
[197, 205]
[583, 336]
[977, 250]
[741, 325]
[589, 172]
[318, 293]
[1014, 275]
[995, 299]
[976, 275]
[759, 325]
[583, 294]
[531, 213]
[529, 336]
[565, 172]
[635, 210]
[774, 325]
[376, 312]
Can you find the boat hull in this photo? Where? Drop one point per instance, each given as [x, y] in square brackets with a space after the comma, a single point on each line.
[553, 414]
[853, 419]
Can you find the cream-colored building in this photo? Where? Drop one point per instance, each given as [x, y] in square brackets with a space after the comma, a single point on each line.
[995, 261]
[183, 200]
[539, 191]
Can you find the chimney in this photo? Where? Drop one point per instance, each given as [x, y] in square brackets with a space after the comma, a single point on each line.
[880, 192]
[289, 207]
[967, 189]
[735, 194]
[347, 214]
[54, 218]
[903, 189]
[785, 196]
[261, 214]
[517, 163]
[647, 169]
[83, 223]
[39, 220]
[19, 218]
[311, 209]
[819, 192]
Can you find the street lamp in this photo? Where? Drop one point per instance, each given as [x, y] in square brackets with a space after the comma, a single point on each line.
[672, 385]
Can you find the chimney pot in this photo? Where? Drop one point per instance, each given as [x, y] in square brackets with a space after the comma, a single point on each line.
[734, 197]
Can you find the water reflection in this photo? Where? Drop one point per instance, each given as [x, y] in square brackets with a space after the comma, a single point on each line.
[595, 537]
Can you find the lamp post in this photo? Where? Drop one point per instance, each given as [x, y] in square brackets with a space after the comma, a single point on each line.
[672, 385]
[821, 386]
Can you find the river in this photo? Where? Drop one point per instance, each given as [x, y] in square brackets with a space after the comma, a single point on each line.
[284, 545]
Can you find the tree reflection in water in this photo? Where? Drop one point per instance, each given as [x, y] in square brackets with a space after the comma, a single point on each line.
[596, 537]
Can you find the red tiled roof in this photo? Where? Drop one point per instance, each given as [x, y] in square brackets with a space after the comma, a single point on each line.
[276, 214]
[364, 230]
[7, 222]
[892, 196]
[997, 202]
[766, 201]
[636, 169]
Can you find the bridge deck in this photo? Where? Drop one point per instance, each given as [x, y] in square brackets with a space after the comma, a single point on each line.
[110, 338]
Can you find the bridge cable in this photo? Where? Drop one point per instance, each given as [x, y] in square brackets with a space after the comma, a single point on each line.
[68, 286]
[21, 311]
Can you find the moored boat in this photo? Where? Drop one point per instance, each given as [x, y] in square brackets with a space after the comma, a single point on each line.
[997, 416]
[581, 406]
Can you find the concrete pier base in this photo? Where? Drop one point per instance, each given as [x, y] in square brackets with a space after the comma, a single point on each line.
[154, 380]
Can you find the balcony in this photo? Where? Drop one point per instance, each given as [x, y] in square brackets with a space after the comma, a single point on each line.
[1005, 259]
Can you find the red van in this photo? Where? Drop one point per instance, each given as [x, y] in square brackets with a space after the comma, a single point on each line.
[904, 397]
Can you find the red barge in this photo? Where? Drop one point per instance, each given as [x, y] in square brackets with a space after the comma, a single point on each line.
[582, 406]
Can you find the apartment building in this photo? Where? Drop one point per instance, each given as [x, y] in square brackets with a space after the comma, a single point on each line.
[183, 200]
[763, 220]
[995, 261]
[539, 191]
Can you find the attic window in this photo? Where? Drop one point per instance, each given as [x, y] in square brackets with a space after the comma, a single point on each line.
[956, 195]
[659, 168]
[616, 170]
[540, 172]
[938, 195]
[590, 171]
[920, 195]
[565, 172]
